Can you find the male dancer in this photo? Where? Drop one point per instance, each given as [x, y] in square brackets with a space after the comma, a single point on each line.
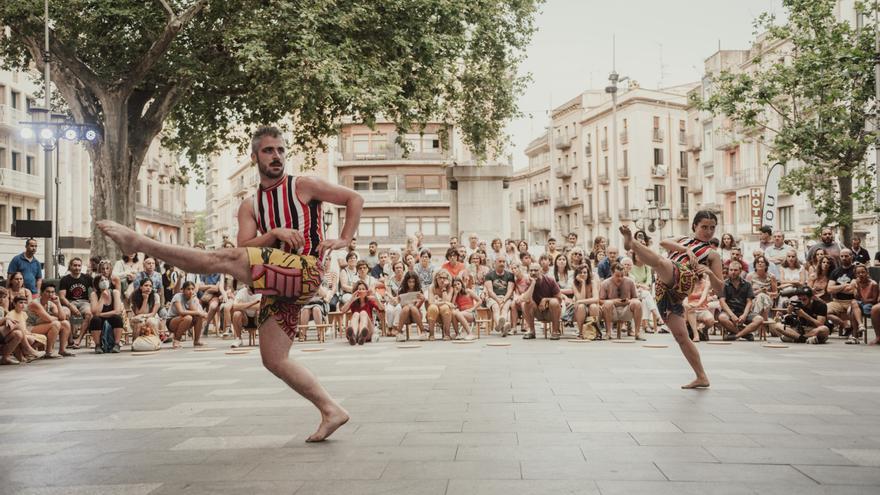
[281, 244]
[689, 259]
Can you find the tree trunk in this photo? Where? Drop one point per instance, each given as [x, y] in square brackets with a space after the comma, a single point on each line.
[114, 173]
[844, 184]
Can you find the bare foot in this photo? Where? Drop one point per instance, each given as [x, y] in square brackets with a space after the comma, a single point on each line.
[123, 236]
[627, 237]
[329, 424]
[698, 383]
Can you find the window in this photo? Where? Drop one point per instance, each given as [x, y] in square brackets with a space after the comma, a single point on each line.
[149, 195]
[656, 122]
[360, 143]
[427, 225]
[626, 161]
[743, 209]
[361, 183]
[590, 204]
[2, 154]
[430, 184]
[522, 229]
[605, 201]
[137, 192]
[4, 227]
[626, 199]
[786, 213]
[660, 194]
[16, 213]
[683, 194]
[605, 168]
[658, 156]
[373, 227]
[16, 161]
[31, 167]
[422, 143]
[683, 159]
[31, 213]
[15, 100]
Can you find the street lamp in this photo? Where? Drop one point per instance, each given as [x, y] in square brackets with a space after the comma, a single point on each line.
[328, 220]
[652, 216]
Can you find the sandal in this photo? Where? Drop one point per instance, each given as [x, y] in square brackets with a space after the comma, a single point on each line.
[73, 346]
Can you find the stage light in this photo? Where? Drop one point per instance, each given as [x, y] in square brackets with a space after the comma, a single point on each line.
[27, 133]
[71, 134]
[46, 134]
[91, 135]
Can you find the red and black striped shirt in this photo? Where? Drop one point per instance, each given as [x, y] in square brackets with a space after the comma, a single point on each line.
[278, 206]
[700, 248]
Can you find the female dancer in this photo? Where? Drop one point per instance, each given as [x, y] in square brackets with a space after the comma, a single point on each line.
[688, 259]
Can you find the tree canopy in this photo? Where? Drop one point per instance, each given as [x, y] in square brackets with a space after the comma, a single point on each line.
[810, 97]
[204, 69]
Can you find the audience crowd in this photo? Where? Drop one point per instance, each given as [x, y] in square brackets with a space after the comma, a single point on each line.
[503, 287]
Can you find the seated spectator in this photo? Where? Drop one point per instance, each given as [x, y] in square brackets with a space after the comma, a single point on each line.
[736, 257]
[815, 259]
[842, 293]
[804, 321]
[106, 308]
[696, 310]
[394, 256]
[791, 273]
[13, 329]
[392, 304]
[212, 295]
[576, 257]
[543, 302]
[477, 270]
[737, 316]
[424, 269]
[496, 248]
[772, 269]
[150, 273]
[597, 254]
[440, 305]
[545, 262]
[860, 254]
[316, 309]
[372, 257]
[46, 318]
[125, 271]
[411, 310]
[564, 277]
[604, 267]
[865, 304]
[820, 279]
[15, 287]
[777, 252]
[105, 269]
[186, 313]
[330, 282]
[586, 296]
[377, 271]
[453, 265]
[620, 301]
[347, 277]
[145, 307]
[171, 281]
[525, 259]
[498, 290]
[245, 308]
[360, 309]
[763, 287]
[521, 283]
[728, 244]
[363, 274]
[410, 260]
[74, 295]
[643, 276]
[465, 312]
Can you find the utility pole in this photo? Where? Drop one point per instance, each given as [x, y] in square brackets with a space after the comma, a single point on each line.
[49, 256]
[877, 122]
[613, 78]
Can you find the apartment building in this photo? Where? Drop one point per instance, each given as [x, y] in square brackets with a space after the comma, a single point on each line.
[160, 201]
[532, 218]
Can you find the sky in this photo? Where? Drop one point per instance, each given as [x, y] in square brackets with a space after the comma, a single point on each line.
[571, 51]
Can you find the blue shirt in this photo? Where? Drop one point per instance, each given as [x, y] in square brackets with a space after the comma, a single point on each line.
[30, 270]
[155, 277]
[211, 278]
[603, 269]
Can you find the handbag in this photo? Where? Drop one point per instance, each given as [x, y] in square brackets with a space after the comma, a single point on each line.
[589, 331]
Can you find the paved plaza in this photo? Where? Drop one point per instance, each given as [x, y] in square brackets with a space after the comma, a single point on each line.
[538, 417]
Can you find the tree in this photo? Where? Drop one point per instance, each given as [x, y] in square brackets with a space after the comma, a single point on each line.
[210, 68]
[810, 99]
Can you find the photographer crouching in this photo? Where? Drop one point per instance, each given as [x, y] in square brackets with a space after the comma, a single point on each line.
[804, 322]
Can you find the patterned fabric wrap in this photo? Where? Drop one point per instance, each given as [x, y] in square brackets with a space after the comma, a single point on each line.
[286, 281]
[669, 299]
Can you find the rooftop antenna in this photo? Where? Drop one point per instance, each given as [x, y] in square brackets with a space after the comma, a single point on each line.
[663, 72]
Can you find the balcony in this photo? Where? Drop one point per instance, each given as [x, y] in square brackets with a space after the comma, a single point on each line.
[624, 214]
[750, 177]
[563, 172]
[563, 142]
[10, 117]
[603, 177]
[405, 196]
[657, 135]
[682, 138]
[683, 211]
[576, 201]
[391, 152]
[683, 172]
[588, 183]
[562, 203]
[539, 197]
[538, 224]
[695, 183]
[603, 143]
[694, 142]
[604, 217]
[726, 139]
[156, 215]
[520, 205]
[588, 150]
[588, 219]
[623, 172]
[624, 136]
[16, 182]
[659, 170]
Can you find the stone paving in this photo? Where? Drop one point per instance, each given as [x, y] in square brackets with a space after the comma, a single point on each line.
[537, 417]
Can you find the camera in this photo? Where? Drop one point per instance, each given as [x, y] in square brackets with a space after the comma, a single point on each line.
[796, 291]
[795, 304]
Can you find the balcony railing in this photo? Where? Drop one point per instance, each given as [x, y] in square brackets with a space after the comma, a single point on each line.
[683, 211]
[520, 205]
[539, 197]
[750, 177]
[603, 177]
[21, 183]
[682, 137]
[658, 135]
[683, 172]
[588, 150]
[588, 182]
[659, 170]
[539, 224]
[624, 136]
[603, 143]
[588, 218]
[158, 216]
[624, 214]
[725, 139]
[576, 201]
[563, 172]
[562, 203]
[623, 172]
[694, 142]
[563, 142]
[393, 152]
[604, 216]
[10, 117]
[405, 196]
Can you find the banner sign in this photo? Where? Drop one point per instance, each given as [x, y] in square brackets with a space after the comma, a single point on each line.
[755, 195]
[771, 195]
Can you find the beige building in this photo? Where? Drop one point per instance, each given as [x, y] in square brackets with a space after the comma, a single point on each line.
[161, 202]
[532, 218]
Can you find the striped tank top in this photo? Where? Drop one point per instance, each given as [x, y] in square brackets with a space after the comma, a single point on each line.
[278, 206]
[700, 248]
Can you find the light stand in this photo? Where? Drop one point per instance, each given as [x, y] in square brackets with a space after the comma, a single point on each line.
[328, 220]
[652, 216]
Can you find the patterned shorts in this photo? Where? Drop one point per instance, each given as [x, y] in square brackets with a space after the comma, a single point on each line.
[286, 281]
[669, 298]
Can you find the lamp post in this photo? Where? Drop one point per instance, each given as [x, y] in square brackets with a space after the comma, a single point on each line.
[652, 216]
[328, 220]
[613, 78]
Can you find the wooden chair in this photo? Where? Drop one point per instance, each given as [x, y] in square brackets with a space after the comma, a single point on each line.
[484, 319]
[252, 335]
[337, 320]
[320, 330]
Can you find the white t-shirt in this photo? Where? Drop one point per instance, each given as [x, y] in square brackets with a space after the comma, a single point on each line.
[245, 296]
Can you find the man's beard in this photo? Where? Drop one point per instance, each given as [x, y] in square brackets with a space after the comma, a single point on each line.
[267, 171]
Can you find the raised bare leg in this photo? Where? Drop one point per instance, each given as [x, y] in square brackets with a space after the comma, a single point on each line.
[662, 266]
